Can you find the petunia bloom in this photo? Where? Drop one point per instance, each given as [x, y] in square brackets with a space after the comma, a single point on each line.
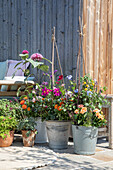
[25, 52]
[60, 78]
[36, 57]
[56, 92]
[69, 77]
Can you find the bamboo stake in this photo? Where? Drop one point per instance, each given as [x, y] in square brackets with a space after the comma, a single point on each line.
[59, 59]
[53, 41]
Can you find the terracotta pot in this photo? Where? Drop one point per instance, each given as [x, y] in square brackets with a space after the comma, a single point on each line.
[8, 140]
[28, 140]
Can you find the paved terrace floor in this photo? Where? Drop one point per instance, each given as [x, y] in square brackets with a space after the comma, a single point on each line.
[40, 157]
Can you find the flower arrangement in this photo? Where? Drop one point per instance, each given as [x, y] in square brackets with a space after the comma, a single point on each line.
[50, 100]
[85, 106]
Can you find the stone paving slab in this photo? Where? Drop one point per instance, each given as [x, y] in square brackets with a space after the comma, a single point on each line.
[24, 158]
[40, 157]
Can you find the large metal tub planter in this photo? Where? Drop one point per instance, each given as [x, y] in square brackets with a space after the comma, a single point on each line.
[85, 139]
[58, 133]
[41, 136]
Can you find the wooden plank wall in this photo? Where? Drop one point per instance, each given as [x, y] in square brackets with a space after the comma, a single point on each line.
[98, 41]
[27, 24]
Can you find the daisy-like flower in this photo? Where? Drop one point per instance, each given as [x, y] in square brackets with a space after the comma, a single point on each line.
[69, 77]
[45, 91]
[56, 92]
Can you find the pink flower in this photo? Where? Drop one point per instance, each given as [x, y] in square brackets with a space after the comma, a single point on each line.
[36, 56]
[25, 52]
[9, 117]
[45, 91]
[56, 92]
[80, 106]
[5, 134]
[62, 85]
[3, 119]
[57, 82]
[34, 100]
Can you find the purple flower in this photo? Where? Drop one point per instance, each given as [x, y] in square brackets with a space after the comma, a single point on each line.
[50, 76]
[36, 57]
[56, 92]
[76, 91]
[45, 83]
[89, 93]
[69, 77]
[55, 71]
[25, 52]
[45, 91]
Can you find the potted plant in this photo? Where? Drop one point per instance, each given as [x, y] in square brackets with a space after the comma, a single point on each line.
[57, 121]
[84, 107]
[8, 121]
[27, 126]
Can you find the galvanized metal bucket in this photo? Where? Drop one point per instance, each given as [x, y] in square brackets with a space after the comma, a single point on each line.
[85, 139]
[58, 134]
[41, 136]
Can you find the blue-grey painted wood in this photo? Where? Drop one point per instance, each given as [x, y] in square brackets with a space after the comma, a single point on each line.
[27, 24]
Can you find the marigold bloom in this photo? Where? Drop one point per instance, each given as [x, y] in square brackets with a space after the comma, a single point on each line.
[85, 89]
[59, 108]
[93, 84]
[22, 102]
[28, 109]
[24, 106]
[84, 82]
[56, 106]
[61, 103]
[87, 85]
[90, 90]
[80, 105]
[83, 110]
[76, 111]
[25, 97]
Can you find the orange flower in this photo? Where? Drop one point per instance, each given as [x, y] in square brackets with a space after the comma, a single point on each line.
[24, 106]
[28, 109]
[100, 117]
[43, 98]
[61, 103]
[22, 102]
[96, 110]
[63, 99]
[83, 110]
[56, 106]
[25, 97]
[59, 108]
[97, 114]
[76, 111]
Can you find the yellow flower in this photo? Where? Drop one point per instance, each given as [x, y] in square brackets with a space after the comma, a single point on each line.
[90, 90]
[93, 84]
[84, 82]
[87, 85]
[85, 89]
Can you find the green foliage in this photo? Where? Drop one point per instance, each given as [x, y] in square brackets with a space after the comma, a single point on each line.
[27, 124]
[7, 124]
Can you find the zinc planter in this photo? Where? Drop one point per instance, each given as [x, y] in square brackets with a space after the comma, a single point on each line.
[41, 136]
[28, 140]
[58, 134]
[85, 139]
[8, 140]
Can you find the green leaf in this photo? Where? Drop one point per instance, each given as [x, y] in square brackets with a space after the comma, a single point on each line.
[34, 63]
[43, 67]
[47, 60]
[24, 56]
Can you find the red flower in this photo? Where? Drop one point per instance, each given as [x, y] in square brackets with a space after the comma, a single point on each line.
[60, 77]
[57, 82]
